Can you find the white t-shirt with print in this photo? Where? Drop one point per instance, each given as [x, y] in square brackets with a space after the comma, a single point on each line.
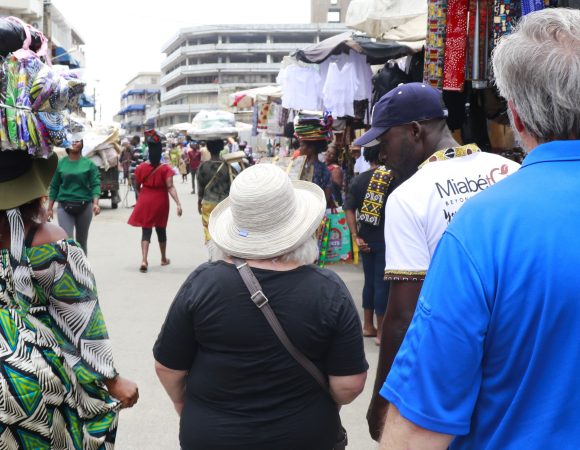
[419, 210]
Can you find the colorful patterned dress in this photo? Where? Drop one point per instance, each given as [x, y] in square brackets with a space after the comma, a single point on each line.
[54, 352]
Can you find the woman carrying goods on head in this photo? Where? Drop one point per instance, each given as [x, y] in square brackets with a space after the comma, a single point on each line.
[155, 183]
[213, 186]
[58, 385]
[76, 187]
[314, 131]
[367, 195]
[226, 371]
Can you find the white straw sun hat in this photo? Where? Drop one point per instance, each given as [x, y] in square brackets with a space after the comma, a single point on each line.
[266, 214]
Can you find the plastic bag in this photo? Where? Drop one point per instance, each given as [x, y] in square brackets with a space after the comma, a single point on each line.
[334, 239]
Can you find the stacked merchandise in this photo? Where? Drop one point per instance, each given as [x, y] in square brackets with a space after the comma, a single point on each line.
[311, 126]
[101, 145]
[34, 102]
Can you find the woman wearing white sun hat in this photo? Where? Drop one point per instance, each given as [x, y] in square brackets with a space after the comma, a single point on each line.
[230, 377]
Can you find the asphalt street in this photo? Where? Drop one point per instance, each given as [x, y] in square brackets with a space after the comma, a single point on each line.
[135, 305]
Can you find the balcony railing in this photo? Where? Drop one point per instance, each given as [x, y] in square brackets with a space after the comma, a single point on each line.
[196, 50]
[215, 69]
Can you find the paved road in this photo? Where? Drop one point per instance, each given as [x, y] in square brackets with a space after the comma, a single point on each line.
[135, 305]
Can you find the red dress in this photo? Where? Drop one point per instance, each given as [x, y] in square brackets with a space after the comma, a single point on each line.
[152, 208]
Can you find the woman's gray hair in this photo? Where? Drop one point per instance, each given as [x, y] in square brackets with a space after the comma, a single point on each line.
[306, 253]
[537, 68]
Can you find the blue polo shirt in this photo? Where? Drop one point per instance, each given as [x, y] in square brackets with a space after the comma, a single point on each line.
[492, 355]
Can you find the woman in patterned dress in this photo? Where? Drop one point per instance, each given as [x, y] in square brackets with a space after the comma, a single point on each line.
[58, 386]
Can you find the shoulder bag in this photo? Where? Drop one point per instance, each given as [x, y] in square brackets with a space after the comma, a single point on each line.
[262, 302]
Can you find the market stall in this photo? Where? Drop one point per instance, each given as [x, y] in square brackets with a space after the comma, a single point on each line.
[35, 97]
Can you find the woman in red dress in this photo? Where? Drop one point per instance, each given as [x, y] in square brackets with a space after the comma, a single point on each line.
[155, 183]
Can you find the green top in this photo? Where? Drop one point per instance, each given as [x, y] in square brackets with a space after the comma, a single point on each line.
[75, 181]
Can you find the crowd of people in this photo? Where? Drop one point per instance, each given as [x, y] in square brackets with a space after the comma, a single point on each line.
[470, 286]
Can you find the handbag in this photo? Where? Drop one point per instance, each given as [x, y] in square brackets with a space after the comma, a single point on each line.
[262, 302]
[74, 208]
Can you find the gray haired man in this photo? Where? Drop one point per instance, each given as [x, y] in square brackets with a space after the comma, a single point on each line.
[490, 360]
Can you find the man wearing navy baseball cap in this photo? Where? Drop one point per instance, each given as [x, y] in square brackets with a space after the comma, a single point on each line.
[438, 176]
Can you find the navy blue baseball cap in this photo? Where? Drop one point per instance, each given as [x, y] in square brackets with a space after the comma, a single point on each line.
[412, 102]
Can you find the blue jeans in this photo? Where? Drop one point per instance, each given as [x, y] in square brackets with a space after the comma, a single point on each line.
[376, 289]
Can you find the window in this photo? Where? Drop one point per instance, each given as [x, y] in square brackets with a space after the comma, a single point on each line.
[333, 16]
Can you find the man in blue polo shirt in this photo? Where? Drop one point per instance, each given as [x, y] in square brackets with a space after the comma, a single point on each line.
[491, 360]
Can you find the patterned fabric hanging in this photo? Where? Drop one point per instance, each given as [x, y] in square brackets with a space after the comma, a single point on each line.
[529, 6]
[485, 11]
[435, 44]
[505, 16]
[455, 45]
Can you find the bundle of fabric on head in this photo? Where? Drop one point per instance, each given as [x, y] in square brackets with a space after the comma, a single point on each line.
[313, 126]
[154, 140]
[34, 100]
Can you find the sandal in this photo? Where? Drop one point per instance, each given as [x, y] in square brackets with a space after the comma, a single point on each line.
[166, 262]
[143, 268]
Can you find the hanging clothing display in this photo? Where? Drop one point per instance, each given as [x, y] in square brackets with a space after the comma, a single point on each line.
[478, 39]
[455, 45]
[505, 15]
[339, 90]
[274, 128]
[263, 111]
[435, 45]
[301, 87]
[529, 6]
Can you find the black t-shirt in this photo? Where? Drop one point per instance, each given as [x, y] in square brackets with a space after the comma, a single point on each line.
[244, 390]
[354, 201]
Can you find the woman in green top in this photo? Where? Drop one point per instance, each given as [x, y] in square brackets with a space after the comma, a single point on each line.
[76, 186]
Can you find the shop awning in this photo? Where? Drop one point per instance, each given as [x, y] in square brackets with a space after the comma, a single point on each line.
[403, 21]
[140, 92]
[132, 108]
[377, 51]
[63, 57]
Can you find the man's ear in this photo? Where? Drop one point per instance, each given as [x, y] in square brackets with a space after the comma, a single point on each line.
[415, 130]
[517, 121]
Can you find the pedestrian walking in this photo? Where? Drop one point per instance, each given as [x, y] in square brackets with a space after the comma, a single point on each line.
[492, 360]
[155, 182]
[194, 156]
[336, 174]
[76, 187]
[58, 385]
[366, 199]
[183, 163]
[211, 352]
[438, 176]
[125, 159]
[213, 181]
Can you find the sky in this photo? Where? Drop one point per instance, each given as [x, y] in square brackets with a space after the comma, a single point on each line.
[124, 37]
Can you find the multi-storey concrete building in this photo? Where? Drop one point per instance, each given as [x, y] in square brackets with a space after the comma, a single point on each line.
[331, 11]
[31, 11]
[205, 64]
[141, 93]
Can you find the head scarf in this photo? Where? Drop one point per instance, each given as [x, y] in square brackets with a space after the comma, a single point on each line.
[154, 139]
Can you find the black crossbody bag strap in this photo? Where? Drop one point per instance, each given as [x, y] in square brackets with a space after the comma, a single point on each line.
[261, 301]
